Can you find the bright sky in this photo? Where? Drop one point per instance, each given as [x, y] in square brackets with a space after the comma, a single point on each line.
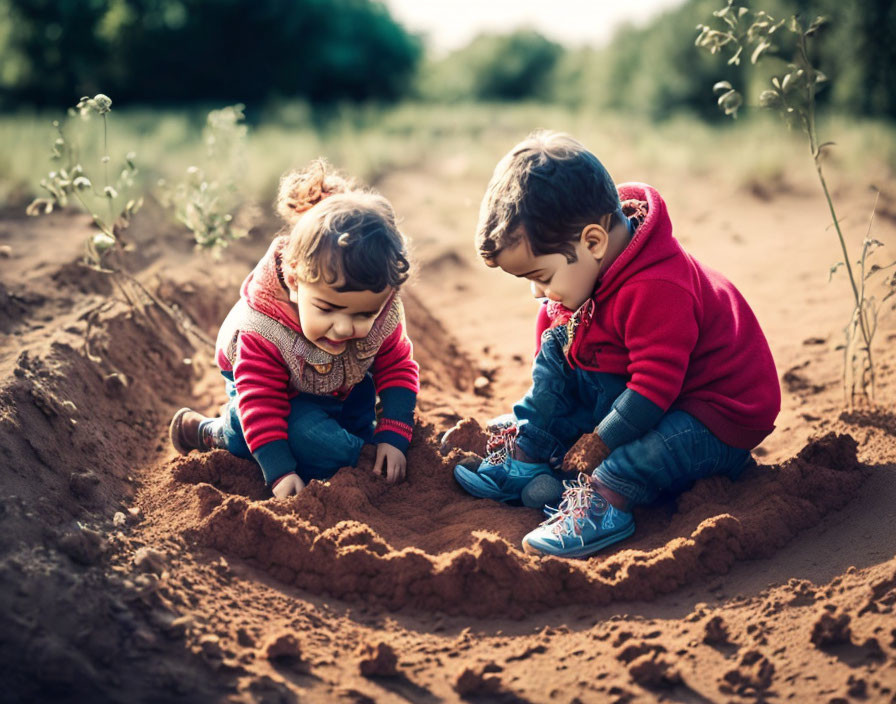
[451, 24]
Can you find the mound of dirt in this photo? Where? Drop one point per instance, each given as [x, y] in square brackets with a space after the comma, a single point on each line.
[426, 545]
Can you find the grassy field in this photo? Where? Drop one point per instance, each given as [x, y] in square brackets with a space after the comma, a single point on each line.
[372, 142]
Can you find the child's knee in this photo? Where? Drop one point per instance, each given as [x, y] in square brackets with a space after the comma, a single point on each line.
[638, 470]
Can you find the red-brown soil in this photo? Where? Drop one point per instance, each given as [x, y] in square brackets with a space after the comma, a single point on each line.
[128, 573]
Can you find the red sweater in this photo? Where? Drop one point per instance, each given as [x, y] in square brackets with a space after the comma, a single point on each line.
[681, 332]
[262, 376]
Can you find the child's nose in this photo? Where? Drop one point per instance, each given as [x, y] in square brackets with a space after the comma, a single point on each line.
[537, 289]
[343, 328]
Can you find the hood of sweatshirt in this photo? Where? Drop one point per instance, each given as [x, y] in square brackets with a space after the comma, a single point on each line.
[650, 246]
[265, 289]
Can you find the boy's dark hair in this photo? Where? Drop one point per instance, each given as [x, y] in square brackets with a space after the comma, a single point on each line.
[547, 188]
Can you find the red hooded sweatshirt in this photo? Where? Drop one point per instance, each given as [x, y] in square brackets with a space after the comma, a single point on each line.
[681, 332]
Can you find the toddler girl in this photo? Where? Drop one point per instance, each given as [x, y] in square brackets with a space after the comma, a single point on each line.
[317, 334]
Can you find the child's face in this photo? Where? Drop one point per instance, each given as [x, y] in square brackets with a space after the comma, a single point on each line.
[331, 318]
[551, 275]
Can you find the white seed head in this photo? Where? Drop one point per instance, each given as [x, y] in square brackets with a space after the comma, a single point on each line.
[103, 242]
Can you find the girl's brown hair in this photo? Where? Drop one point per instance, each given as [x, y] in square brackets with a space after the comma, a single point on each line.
[341, 234]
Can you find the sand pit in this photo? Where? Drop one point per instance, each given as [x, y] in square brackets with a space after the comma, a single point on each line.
[130, 574]
[426, 545]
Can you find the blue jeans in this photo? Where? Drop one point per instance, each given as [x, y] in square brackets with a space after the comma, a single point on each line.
[324, 433]
[565, 403]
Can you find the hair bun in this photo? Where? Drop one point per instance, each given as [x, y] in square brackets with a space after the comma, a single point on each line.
[301, 190]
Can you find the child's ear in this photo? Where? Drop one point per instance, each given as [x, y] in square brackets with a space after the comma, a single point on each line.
[596, 239]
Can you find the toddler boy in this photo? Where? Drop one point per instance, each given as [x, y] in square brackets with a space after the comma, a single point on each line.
[652, 370]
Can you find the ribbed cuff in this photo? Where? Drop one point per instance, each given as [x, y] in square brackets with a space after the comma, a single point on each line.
[392, 438]
[275, 459]
[631, 417]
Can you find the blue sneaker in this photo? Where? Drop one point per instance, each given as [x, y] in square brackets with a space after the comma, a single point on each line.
[499, 476]
[583, 524]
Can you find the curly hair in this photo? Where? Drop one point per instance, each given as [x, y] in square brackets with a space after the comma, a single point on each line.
[341, 234]
[546, 189]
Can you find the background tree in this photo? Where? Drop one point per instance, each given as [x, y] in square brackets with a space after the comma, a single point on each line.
[177, 51]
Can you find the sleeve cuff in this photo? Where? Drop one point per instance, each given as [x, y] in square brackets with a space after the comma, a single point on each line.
[392, 438]
[632, 416]
[275, 459]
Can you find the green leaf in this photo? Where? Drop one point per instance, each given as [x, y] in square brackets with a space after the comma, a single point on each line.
[721, 87]
[103, 242]
[730, 102]
[735, 60]
[816, 25]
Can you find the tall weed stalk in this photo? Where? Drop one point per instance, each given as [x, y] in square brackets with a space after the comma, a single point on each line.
[793, 95]
[74, 178]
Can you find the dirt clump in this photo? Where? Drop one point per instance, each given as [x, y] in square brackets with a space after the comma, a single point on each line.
[831, 629]
[377, 660]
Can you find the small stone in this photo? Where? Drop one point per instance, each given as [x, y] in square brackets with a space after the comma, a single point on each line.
[244, 638]
[83, 484]
[284, 651]
[5, 251]
[115, 383]
[210, 646]
[474, 682]
[715, 631]
[119, 519]
[178, 627]
[83, 545]
[148, 559]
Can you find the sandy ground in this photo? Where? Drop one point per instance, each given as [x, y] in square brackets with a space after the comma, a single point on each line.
[130, 574]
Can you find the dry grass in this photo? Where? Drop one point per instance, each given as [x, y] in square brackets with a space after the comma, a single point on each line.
[371, 142]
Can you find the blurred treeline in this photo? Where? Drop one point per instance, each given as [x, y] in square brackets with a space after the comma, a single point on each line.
[333, 51]
[656, 71]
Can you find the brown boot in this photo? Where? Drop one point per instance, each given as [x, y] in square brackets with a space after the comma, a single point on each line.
[187, 434]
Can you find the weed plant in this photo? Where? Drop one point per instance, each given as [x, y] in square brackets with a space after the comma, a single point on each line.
[206, 199]
[82, 176]
[78, 171]
[793, 96]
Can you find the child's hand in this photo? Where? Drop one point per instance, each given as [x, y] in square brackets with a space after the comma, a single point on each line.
[390, 462]
[588, 452]
[288, 485]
